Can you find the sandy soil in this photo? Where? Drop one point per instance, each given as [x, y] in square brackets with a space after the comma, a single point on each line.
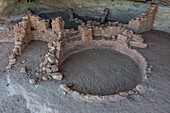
[18, 96]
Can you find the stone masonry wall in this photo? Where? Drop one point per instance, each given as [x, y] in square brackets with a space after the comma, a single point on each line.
[144, 22]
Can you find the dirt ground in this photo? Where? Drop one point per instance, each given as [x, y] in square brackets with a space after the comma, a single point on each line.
[9, 103]
[18, 96]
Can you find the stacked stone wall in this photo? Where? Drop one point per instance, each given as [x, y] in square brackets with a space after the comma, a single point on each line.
[144, 22]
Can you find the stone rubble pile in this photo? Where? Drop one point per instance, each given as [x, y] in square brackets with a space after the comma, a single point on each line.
[50, 64]
[134, 39]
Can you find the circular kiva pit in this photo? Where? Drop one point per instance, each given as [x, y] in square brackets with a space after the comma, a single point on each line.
[100, 74]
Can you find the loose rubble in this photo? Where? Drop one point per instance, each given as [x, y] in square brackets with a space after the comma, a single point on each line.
[50, 64]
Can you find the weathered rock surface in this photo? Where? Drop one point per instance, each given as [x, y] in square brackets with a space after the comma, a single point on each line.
[162, 19]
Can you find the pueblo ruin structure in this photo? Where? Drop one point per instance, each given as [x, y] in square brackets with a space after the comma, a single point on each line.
[84, 56]
[62, 41]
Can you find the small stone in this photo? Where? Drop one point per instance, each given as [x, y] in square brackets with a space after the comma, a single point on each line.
[54, 68]
[137, 44]
[140, 88]
[48, 70]
[64, 92]
[18, 43]
[13, 60]
[43, 68]
[56, 43]
[50, 54]
[12, 63]
[64, 87]
[17, 46]
[149, 70]
[23, 71]
[12, 56]
[57, 54]
[41, 65]
[50, 77]
[131, 92]
[24, 61]
[123, 93]
[70, 85]
[57, 76]
[49, 65]
[50, 45]
[76, 94]
[45, 77]
[56, 61]
[9, 67]
[32, 81]
[40, 70]
[52, 48]
[15, 50]
[37, 68]
[45, 61]
[46, 55]
[51, 59]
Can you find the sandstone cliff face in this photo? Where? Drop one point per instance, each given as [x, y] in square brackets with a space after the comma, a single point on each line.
[120, 10]
[162, 19]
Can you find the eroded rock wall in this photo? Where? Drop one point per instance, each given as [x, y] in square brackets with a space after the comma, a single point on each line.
[121, 10]
[162, 19]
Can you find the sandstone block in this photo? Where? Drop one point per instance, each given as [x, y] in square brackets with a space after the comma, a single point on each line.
[32, 81]
[54, 68]
[57, 76]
